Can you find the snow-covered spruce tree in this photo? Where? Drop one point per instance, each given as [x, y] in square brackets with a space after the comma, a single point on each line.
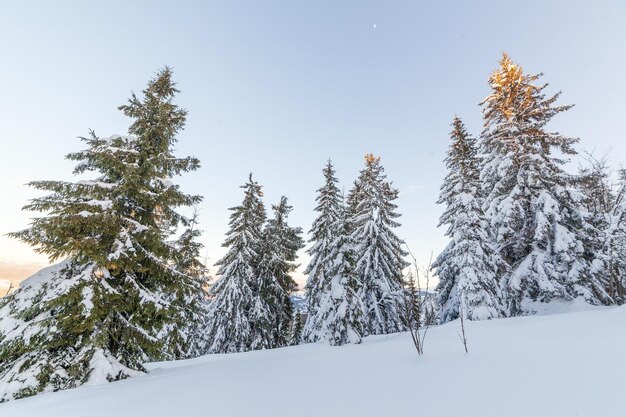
[379, 257]
[171, 268]
[193, 341]
[338, 318]
[535, 214]
[295, 335]
[594, 182]
[235, 308]
[275, 283]
[323, 233]
[616, 244]
[468, 265]
[353, 199]
[118, 299]
[607, 208]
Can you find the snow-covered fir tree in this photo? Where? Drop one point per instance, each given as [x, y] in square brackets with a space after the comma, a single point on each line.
[535, 213]
[594, 183]
[323, 234]
[606, 235]
[277, 257]
[121, 297]
[354, 196]
[468, 267]
[235, 307]
[338, 318]
[379, 257]
[616, 244]
[295, 335]
[171, 268]
[186, 259]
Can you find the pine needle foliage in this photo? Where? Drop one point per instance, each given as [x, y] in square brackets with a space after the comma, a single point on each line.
[126, 292]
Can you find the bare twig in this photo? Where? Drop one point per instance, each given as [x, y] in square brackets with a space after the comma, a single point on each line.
[9, 290]
[411, 312]
[414, 310]
[462, 336]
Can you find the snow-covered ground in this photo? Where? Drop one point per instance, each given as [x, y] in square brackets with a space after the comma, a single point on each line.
[561, 365]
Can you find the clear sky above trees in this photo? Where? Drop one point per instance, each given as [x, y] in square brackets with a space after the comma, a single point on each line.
[277, 88]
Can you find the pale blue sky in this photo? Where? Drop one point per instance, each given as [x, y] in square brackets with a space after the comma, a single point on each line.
[276, 88]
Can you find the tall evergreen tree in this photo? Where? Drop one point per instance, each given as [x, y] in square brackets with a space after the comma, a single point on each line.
[118, 299]
[295, 335]
[354, 197]
[235, 308]
[467, 268]
[533, 210]
[323, 233]
[338, 318]
[599, 200]
[616, 244]
[613, 250]
[193, 341]
[606, 236]
[378, 250]
[278, 254]
[156, 122]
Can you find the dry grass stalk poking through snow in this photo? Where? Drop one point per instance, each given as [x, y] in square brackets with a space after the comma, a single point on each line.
[416, 313]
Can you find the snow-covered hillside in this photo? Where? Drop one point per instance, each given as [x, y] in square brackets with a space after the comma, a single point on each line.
[4, 286]
[571, 364]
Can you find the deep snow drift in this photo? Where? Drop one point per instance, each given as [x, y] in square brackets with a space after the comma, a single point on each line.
[571, 364]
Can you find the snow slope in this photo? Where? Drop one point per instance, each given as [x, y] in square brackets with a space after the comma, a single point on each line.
[571, 364]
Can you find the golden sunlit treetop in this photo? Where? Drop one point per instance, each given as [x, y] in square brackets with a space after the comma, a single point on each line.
[511, 88]
[370, 158]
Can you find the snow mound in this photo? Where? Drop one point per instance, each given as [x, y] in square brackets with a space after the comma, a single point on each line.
[545, 365]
